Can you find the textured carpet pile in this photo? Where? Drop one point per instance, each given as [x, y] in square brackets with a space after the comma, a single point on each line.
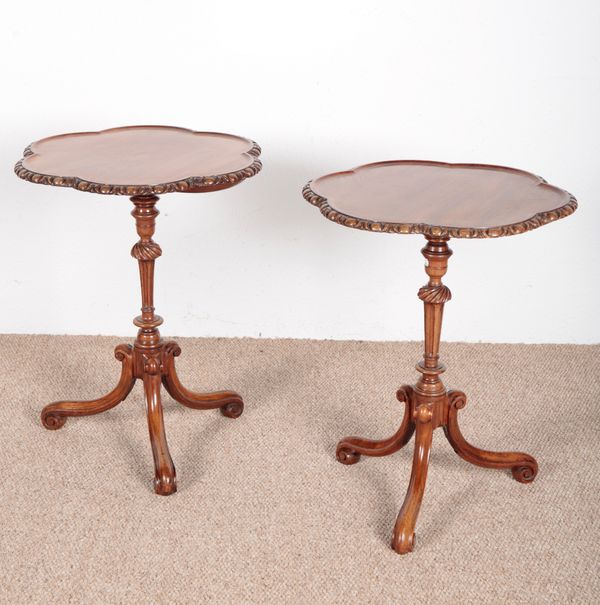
[264, 513]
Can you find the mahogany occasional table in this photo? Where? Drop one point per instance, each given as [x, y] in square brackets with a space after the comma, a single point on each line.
[143, 162]
[438, 201]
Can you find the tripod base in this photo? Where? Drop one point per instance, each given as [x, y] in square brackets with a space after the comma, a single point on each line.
[422, 415]
[154, 365]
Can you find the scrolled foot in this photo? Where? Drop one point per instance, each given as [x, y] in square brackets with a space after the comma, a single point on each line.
[346, 455]
[525, 473]
[52, 421]
[233, 409]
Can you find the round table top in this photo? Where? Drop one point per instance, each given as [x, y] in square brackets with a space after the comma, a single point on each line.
[439, 199]
[141, 160]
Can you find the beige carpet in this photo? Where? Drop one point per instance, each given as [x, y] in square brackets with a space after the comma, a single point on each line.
[264, 513]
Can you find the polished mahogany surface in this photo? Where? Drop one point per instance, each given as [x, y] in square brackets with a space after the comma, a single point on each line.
[412, 196]
[131, 157]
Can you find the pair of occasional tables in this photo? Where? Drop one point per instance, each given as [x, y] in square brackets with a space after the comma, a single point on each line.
[434, 199]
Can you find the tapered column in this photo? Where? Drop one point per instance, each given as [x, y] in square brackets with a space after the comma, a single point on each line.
[148, 345]
[433, 295]
[146, 251]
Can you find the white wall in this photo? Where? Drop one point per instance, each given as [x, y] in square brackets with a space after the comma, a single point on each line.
[321, 86]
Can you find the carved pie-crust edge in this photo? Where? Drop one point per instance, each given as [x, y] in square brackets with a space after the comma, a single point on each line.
[537, 220]
[188, 184]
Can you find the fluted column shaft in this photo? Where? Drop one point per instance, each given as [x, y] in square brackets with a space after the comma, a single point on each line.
[146, 251]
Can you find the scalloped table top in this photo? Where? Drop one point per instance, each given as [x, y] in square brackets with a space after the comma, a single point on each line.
[139, 160]
[439, 199]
